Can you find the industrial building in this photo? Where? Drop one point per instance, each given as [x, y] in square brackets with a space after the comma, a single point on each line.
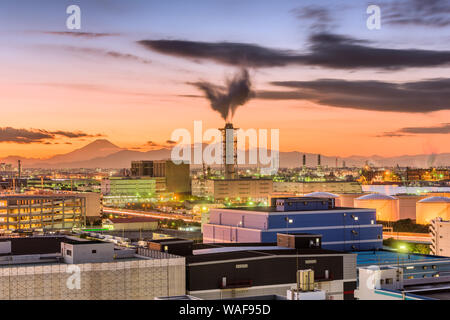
[70, 268]
[249, 270]
[131, 224]
[346, 229]
[176, 177]
[48, 211]
[301, 188]
[119, 191]
[414, 265]
[440, 237]
[431, 208]
[233, 190]
[388, 283]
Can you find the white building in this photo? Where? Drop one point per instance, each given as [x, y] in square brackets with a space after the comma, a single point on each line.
[69, 268]
[440, 237]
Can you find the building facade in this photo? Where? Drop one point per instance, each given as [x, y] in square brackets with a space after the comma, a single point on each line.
[345, 229]
[301, 188]
[55, 211]
[175, 176]
[440, 237]
[234, 190]
[92, 271]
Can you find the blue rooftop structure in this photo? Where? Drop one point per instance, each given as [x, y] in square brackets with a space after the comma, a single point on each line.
[342, 229]
[414, 265]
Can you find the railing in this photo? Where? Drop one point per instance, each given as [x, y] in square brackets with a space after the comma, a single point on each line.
[155, 254]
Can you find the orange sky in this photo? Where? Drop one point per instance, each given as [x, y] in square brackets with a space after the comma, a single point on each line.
[53, 82]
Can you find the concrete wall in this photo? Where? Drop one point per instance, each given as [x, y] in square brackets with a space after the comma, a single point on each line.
[121, 280]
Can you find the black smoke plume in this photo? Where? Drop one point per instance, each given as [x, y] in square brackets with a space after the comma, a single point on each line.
[226, 100]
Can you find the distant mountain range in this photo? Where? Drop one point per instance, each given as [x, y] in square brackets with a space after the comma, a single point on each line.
[103, 154]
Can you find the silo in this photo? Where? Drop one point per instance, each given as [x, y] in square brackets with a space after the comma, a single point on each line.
[347, 199]
[430, 208]
[326, 195]
[387, 207]
[407, 205]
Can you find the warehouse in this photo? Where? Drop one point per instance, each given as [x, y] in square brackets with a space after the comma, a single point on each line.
[223, 271]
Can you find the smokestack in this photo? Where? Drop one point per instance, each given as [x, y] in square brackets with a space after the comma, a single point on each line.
[19, 167]
[318, 160]
[304, 160]
[229, 151]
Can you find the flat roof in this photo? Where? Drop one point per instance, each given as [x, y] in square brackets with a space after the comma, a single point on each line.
[273, 209]
[252, 251]
[366, 258]
[42, 244]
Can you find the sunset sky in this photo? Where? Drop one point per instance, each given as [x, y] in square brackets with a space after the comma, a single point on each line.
[330, 84]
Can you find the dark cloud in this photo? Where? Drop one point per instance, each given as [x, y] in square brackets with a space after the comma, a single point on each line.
[171, 142]
[76, 134]
[8, 134]
[80, 34]
[410, 97]
[27, 136]
[429, 13]
[325, 50]
[440, 129]
[443, 128]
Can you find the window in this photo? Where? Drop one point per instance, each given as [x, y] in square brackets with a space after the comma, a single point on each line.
[434, 266]
[94, 251]
[389, 281]
[69, 252]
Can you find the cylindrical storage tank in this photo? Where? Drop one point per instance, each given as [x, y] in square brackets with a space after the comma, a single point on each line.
[386, 206]
[347, 199]
[407, 205]
[430, 208]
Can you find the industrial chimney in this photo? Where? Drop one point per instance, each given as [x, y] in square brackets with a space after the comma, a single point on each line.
[229, 151]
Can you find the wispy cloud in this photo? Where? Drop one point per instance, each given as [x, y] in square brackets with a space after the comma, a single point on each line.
[443, 128]
[429, 13]
[28, 136]
[77, 34]
[105, 53]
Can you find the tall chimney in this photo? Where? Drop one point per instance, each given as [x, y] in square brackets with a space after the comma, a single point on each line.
[19, 168]
[304, 160]
[318, 160]
[229, 151]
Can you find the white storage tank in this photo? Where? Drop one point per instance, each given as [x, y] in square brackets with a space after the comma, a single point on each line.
[387, 207]
[347, 200]
[407, 205]
[433, 207]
